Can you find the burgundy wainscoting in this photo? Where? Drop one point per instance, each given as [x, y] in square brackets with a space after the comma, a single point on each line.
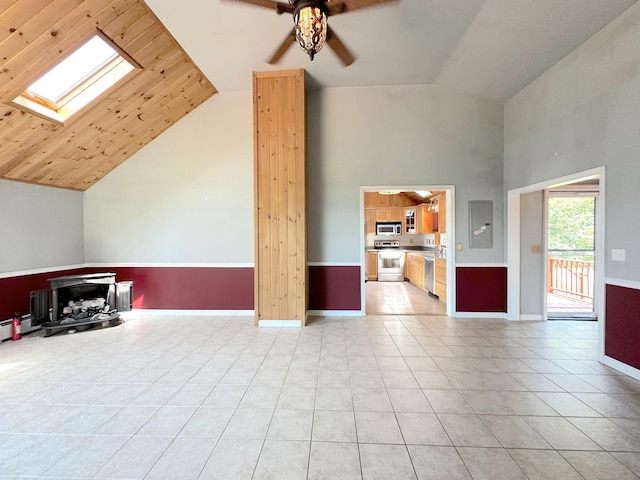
[189, 288]
[481, 289]
[334, 288]
[14, 291]
[622, 328]
[193, 288]
[160, 288]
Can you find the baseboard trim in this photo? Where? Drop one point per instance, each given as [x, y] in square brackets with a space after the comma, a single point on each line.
[335, 313]
[621, 367]
[482, 315]
[531, 318]
[280, 323]
[216, 313]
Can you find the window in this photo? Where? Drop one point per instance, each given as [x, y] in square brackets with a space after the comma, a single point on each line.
[77, 80]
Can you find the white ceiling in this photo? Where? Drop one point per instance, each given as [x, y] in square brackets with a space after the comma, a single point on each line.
[491, 48]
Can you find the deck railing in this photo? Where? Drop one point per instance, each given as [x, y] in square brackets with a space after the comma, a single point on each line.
[573, 278]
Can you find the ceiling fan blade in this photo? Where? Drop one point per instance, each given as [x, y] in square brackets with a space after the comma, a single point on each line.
[271, 4]
[344, 6]
[337, 46]
[284, 46]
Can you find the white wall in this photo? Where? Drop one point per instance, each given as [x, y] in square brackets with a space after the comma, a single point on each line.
[531, 264]
[581, 114]
[187, 197]
[41, 227]
[401, 135]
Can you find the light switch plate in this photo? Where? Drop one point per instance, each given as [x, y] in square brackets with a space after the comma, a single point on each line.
[618, 254]
[459, 247]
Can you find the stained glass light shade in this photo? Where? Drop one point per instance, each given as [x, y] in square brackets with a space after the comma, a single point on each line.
[311, 27]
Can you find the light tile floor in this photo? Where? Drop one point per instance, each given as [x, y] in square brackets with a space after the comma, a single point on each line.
[380, 397]
[400, 298]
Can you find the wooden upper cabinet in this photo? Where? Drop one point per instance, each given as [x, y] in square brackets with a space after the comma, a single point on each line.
[382, 215]
[396, 214]
[442, 215]
[370, 218]
[424, 219]
[409, 223]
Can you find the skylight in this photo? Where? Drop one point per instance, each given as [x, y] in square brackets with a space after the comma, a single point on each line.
[76, 81]
[73, 70]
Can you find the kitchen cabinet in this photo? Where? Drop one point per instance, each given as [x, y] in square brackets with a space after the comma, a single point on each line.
[441, 279]
[442, 215]
[372, 266]
[388, 215]
[382, 215]
[396, 215]
[415, 269]
[409, 225]
[424, 219]
[439, 214]
[370, 218]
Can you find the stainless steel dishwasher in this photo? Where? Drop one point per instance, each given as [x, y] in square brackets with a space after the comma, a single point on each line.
[430, 274]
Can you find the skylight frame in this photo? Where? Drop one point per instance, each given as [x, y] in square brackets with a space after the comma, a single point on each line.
[82, 94]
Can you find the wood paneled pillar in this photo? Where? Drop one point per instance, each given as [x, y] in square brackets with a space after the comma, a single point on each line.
[280, 198]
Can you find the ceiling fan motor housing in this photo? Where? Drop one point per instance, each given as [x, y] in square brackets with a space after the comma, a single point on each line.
[310, 19]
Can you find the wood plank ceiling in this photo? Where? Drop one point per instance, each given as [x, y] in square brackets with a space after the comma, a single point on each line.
[35, 35]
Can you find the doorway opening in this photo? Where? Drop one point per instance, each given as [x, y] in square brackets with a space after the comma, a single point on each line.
[405, 230]
[521, 305]
[570, 262]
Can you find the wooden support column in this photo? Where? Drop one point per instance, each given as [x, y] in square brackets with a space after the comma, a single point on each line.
[280, 274]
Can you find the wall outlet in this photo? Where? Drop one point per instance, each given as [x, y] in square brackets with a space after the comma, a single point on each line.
[459, 247]
[411, 240]
[618, 254]
[537, 248]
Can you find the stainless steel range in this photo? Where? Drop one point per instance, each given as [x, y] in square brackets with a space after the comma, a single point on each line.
[390, 261]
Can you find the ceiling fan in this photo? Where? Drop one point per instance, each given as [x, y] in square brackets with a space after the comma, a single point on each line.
[310, 24]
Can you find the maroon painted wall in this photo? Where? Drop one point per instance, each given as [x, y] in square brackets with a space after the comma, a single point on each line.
[622, 327]
[193, 288]
[334, 288]
[481, 289]
[189, 288]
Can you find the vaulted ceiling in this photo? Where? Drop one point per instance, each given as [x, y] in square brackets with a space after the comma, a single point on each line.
[489, 48]
[35, 35]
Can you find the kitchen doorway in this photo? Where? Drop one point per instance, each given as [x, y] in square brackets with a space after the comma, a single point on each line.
[402, 226]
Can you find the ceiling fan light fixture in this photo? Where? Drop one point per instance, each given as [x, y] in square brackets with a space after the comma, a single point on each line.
[310, 20]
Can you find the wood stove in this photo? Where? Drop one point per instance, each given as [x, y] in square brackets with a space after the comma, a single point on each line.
[82, 300]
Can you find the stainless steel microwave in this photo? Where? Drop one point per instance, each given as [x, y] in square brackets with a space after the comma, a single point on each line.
[388, 228]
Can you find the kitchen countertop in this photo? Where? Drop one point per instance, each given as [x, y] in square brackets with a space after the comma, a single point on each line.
[416, 250]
